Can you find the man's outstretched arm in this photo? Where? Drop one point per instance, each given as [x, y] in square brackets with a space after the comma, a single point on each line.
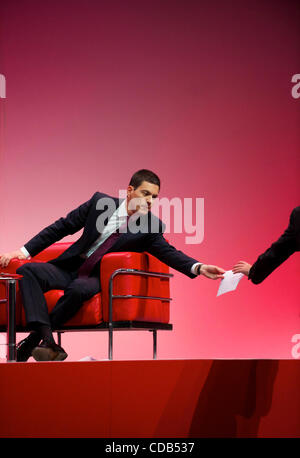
[274, 256]
[178, 260]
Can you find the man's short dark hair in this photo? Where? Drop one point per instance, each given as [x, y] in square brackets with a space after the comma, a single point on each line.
[144, 175]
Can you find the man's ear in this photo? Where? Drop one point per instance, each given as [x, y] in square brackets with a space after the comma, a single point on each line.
[130, 188]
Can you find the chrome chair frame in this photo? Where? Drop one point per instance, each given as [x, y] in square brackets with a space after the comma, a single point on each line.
[113, 296]
[111, 325]
[10, 300]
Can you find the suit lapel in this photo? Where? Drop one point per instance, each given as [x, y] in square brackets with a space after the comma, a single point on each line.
[109, 211]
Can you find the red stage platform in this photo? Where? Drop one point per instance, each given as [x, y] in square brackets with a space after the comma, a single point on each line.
[167, 398]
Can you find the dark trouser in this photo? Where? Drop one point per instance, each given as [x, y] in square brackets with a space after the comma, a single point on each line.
[40, 277]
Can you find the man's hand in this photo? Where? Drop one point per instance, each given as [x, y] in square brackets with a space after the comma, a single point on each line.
[241, 267]
[6, 257]
[212, 272]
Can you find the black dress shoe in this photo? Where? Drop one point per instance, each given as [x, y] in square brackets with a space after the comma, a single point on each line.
[48, 351]
[25, 347]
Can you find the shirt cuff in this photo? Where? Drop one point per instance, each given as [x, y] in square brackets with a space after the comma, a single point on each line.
[194, 268]
[25, 252]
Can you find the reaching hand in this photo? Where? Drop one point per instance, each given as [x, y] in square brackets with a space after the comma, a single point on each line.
[242, 267]
[212, 272]
[6, 257]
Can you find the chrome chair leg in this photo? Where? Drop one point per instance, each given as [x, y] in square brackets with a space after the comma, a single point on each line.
[59, 338]
[11, 321]
[110, 343]
[154, 344]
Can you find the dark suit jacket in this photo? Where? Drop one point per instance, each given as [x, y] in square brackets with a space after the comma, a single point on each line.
[279, 251]
[86, 215]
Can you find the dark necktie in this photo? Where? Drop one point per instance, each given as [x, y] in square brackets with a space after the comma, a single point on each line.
[89, 264]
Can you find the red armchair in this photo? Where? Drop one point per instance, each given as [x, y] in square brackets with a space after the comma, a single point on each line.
[135, 295]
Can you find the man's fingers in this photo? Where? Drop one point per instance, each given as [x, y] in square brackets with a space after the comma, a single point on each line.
[219, 269]
[4, 261]
[214, 276]
[238, 267]
[213, 272]
[215, 269]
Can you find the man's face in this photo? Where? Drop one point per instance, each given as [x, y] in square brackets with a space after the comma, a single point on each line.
[141, 198]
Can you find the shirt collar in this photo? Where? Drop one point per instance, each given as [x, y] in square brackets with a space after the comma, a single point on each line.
[122, 210]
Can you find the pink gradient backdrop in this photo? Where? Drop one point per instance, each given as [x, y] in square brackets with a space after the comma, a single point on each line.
[198, 91]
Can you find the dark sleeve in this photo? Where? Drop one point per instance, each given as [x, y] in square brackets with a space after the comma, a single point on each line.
[278, 252]
[73, 222]
[161, 249]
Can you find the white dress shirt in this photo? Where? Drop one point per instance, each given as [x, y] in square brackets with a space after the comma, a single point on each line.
[115, 222]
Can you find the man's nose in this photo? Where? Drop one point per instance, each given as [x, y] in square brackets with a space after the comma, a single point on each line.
[149, 200]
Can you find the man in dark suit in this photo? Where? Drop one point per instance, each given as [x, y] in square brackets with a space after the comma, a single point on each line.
[279, 251]
[109, 225]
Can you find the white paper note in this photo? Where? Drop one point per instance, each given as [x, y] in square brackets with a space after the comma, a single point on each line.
[229, 282]
[88, 358]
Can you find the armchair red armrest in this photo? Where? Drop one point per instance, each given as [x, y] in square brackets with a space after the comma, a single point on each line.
[131, 308]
